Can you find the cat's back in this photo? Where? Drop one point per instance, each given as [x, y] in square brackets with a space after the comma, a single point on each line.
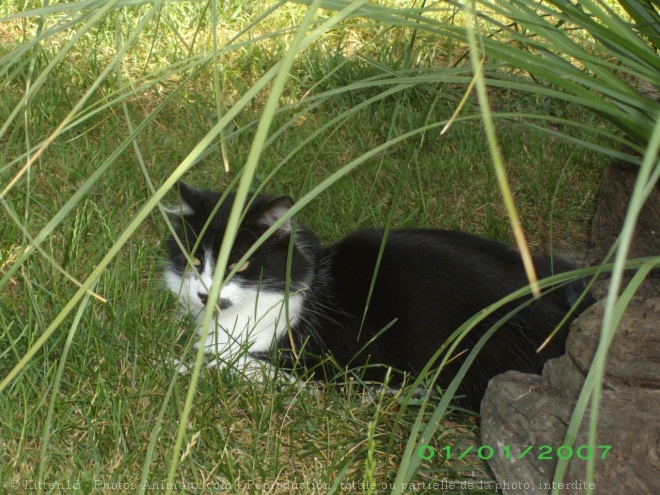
[427, 253]
[439, 242]
[433, 269]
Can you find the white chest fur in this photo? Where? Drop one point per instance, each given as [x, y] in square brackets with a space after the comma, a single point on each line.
[253, 322]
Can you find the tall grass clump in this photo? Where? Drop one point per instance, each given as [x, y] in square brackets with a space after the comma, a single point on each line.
[451, 114]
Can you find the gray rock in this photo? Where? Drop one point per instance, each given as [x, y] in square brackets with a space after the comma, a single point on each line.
[522, 410]
[613, 199]
[634, 355]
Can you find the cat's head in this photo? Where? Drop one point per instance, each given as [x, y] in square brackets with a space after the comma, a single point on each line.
[200, 221]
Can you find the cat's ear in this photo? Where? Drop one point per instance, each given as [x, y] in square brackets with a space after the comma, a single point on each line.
[190, 197]
[275, 210]
[188, 200]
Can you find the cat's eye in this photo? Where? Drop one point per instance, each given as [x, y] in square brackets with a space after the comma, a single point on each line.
[196, 262]
[240, 268]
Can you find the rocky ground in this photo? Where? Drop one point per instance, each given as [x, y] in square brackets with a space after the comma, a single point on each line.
[525, 417]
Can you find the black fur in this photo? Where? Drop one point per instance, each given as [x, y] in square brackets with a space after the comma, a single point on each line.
[429, 283]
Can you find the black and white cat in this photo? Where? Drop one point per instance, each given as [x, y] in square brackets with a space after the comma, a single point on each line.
[428, 283]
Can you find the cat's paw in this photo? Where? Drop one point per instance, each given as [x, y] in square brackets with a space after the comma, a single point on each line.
[254, 370]
[257, 370]
[180, 366]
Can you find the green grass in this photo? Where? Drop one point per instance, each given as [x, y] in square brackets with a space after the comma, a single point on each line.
[98, 402]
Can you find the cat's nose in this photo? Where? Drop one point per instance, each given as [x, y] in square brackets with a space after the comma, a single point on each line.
[203, 297]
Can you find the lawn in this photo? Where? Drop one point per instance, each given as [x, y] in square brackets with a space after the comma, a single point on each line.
[118, 98]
